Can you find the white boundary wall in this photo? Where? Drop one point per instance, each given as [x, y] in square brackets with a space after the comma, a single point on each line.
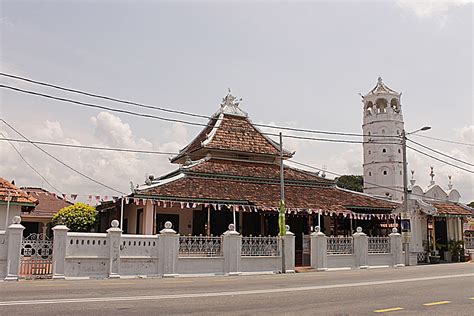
[113, 254]
[355, 252]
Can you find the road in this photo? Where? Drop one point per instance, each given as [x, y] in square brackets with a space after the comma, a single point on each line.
[419, 290]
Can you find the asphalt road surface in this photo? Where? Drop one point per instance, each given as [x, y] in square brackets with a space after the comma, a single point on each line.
[420, 290]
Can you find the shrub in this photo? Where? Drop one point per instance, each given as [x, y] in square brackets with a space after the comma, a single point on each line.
[79, 217]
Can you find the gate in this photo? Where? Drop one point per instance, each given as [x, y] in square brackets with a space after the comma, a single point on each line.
[36, 256]
[306, 250]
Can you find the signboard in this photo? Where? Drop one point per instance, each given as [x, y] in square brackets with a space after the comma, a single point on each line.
[468, 226]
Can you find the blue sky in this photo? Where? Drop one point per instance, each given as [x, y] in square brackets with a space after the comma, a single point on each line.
[297, 63]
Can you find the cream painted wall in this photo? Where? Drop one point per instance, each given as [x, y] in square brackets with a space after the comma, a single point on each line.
[15, 210]
[185, 218]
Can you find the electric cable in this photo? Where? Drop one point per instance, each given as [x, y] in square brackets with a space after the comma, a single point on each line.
[28, 164]
[61, 162]
[441, 153]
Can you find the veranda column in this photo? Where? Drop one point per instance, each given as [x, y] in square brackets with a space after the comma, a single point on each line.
[396, 248]
[114, 236]
[14, 236]
[232, 246]
[168, 250]
[319, 250]
[289, 251]
[361, 249]
[59, 251]
[148, 219]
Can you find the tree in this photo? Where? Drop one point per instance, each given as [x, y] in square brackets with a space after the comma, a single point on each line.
[351, 182]
[79, 217]
[471, 204]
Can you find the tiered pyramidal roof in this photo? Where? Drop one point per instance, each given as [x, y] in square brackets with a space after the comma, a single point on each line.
[232, 162]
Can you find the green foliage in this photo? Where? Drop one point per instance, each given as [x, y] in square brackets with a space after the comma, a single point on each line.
[79, 217]
[455, 247]
[351, 182]
[471, 204]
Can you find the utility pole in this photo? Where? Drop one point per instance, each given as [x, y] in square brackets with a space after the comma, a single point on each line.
[121, 213]
[405, 218]
[281, 216]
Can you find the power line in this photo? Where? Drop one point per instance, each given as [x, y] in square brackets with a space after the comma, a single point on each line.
[93, 95]
[440, 153]
[440, 160]
[169, 119]
[127, 150]
[328, 140]
[29, 165]
[171, 110]
[61, 162]
[445, 140]
[90, 147]
[365, 182]
[101, 106]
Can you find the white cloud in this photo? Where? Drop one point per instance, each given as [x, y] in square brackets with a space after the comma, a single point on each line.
[115, 169]
[432, 8]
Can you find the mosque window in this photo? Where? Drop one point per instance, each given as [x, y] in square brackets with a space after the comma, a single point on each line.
[370, 152]
[370, 173]
[385, 172]
[384, 150]
[383, 131]
[399, 151]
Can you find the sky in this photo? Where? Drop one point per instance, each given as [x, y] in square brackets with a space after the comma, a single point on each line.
[299, 64]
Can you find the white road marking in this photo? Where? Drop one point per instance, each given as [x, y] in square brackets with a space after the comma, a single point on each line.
[229, 293]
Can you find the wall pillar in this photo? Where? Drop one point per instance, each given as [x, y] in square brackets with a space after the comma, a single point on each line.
[289, 251]
[148, 219]
[361, 249]
[232, 246]
[396, 248]
[114, 236]
[168, 247]
[14, 237]
[319, 250]
[59, 251]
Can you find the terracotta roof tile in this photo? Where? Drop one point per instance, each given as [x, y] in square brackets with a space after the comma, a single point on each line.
[451, 208]
[234, 134]
[253, 169]
[48, 203]
[17, 195]
[266, 195]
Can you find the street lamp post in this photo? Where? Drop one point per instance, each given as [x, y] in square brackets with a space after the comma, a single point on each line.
[405, 218]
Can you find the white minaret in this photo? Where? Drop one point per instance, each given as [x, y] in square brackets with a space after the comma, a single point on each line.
[383, 171]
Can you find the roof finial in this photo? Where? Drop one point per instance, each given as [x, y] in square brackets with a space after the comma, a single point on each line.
[379, 80]
[432, 175]
[412, 180]
[450, 184]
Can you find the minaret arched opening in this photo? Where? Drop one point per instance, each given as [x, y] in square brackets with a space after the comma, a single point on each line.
[381, 105]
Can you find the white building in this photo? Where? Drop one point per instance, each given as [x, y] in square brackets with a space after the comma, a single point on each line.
[436, 215]
[382, 125]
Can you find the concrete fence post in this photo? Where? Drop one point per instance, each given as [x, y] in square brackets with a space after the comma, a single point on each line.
[361, 249]
[168, 250]
[232, 246]
[289, 251]
[14, 237]
[319, 251]
[396, 248]
[59, 251]
[114, 238]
